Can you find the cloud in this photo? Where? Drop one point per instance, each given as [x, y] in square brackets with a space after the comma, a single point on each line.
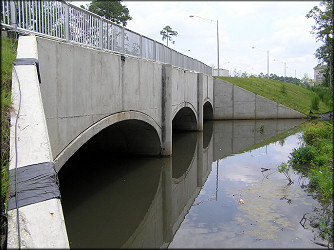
[278, 26]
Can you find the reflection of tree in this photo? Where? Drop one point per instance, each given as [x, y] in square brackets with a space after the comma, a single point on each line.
[281, 142]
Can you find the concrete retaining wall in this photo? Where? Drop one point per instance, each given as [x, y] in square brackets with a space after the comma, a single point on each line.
[233, 102]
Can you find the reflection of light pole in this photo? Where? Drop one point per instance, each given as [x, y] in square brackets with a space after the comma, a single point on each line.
[217, 38]
[217, 181]
[267, 60]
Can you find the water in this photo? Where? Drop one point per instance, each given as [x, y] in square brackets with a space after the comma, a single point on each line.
[192, 199]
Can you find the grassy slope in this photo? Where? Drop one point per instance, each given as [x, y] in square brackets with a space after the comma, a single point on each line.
[296, 97]
[8, 55]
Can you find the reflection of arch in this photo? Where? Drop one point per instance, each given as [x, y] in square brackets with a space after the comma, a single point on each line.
[137, 118]
[184, 117]
[207, 133]
[184, 148]
[207, 111]
[92, 186]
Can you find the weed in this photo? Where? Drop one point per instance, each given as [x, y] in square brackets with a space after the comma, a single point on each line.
[283, 89]
[284, 168]
[261, 129]
[315, 102]
[8, 55]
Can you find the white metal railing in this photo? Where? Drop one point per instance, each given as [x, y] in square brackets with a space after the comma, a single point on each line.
[71, 23]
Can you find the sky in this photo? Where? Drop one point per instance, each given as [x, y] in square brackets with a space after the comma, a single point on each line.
[280, 27]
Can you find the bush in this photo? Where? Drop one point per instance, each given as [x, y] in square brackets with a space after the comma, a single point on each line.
[314, 135]
[323, 180]
[303, 155]
[325, 94]
[315, 102]
[283, 89]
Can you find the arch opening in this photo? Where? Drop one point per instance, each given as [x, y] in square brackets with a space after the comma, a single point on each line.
[96, 174]
[185, 120]
[128, 136]
[207, 111]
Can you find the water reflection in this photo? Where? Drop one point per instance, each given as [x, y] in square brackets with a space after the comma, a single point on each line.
[159, 202]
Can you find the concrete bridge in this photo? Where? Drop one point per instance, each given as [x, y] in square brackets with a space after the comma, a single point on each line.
[128, 104]
[163, 202]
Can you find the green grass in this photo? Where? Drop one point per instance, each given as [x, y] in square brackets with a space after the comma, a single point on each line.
[314, 159]
[293, 96]
[8, 55]
[318, 139]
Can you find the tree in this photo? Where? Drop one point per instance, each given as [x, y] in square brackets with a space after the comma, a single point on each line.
[305, 80]
[111, 10]
[167, 33]
[323, 30]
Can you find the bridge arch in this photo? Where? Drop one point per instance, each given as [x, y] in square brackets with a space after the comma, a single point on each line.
[184, 117]
[130, 131]
[207, 110]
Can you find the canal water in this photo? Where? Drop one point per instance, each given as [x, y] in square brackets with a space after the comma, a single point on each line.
[220, 189]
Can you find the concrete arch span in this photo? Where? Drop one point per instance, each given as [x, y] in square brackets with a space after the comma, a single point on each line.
[184, 117]
[130, 131]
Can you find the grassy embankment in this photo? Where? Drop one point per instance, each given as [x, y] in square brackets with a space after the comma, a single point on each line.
[293, 96]
[8, 55]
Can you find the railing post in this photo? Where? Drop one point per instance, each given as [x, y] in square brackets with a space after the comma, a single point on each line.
[123, 40]
[101, 33]
[141, 46]
[154, 51]
[67, 23]
[12, 14]
[108, 40]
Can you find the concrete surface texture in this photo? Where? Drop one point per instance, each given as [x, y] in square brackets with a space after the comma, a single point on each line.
[85, 90]
[233, 102]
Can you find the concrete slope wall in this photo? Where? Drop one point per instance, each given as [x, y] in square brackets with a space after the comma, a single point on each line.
[233, 102]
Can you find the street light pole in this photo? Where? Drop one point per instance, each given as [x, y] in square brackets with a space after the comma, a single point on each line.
[267, 61]
[217, 48]
[217, 38]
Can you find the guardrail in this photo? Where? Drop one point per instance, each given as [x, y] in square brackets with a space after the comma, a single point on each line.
[71, 23]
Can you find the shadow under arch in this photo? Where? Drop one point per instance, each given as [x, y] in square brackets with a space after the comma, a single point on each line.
[207, 111]
[131, 131]
[185, 118]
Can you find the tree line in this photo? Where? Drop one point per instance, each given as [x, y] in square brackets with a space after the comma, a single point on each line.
[272, 76]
